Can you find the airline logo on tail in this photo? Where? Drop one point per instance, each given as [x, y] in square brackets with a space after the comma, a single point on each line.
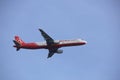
[18, 42]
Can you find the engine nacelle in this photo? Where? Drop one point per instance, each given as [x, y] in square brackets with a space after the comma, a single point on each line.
[59, 51]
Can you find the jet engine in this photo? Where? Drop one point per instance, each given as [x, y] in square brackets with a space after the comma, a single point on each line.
[59, 51]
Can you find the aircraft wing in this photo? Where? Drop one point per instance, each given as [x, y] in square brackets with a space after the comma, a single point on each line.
[51, 52]
[49, 42]
[48, 39]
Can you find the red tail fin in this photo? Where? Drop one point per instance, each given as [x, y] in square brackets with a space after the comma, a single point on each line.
[20, 41]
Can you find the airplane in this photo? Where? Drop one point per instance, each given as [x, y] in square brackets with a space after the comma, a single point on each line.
[49, 43]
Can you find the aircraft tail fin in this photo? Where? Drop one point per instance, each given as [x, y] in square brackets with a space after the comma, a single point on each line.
[18, 42]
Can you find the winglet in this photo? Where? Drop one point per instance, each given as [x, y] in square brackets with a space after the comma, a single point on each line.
[40, 30]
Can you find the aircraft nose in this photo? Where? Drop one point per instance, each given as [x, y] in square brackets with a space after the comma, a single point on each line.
[85, 42]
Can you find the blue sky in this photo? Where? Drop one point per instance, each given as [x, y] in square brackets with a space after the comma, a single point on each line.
[96, 21]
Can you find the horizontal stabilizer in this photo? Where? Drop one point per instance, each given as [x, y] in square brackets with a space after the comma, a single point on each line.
[17, 45]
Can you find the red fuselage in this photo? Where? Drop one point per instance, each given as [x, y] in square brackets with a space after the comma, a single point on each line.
[58, 44]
